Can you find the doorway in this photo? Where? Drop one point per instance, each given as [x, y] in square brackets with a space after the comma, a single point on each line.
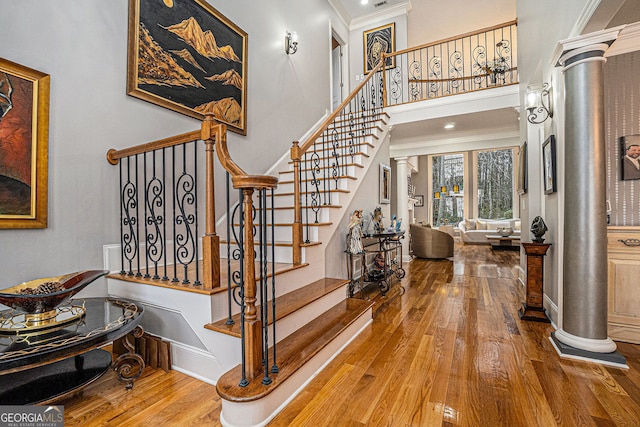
[337, 83]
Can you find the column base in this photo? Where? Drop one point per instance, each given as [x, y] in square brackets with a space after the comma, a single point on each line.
[613, 358]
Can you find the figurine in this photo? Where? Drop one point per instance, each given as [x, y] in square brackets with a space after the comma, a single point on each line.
[538, 228]
[377, 220]
[354, 237]
[398, 224]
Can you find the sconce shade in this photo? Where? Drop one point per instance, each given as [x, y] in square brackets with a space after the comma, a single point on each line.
[538, 105]
[436, 195]
[443, 189]
[456, 188]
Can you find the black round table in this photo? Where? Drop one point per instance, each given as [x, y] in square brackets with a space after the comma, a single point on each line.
[47, 364]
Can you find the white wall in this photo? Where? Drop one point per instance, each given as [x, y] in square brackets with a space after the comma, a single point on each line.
[541, 25]
[82, 44]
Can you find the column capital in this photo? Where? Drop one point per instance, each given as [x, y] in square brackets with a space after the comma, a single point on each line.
[598, 41]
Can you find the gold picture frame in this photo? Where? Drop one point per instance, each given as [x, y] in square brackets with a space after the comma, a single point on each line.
[188, 57]
[24, 146]
[377, 41]
[385, 184]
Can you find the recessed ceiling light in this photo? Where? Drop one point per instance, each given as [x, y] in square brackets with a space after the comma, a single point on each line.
[364, 1]
[449, 126]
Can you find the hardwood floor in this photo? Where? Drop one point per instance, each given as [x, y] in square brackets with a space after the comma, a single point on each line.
[445, 349]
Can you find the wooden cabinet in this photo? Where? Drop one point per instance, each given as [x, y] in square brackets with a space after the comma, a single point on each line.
[624, 283]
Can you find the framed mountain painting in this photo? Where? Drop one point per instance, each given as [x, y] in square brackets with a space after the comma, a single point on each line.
[187, 57]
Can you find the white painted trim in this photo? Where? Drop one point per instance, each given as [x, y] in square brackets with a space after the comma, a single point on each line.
[388, 13]
[341, 12]
[585, 16]
[586, 359]
[628, 41]
[588, 344]
[549, 305]
[193, 362]
[586, 40]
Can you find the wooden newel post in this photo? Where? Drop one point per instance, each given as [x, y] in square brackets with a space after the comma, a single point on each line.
[533, 308]
[211, 130]
[297, 221]
[252, 324]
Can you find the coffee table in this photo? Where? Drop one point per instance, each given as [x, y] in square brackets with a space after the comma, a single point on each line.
[504, 243]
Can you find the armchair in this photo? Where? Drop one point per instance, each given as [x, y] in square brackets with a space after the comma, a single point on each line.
[427, 242]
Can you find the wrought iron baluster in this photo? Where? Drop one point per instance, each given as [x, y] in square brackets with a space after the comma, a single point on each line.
[306, 194]
[129, 207]
[138, 274]
[121, 220]
[146, 215]
[264, 312]
[173, 186]
[164, 212]
[196, 282]
[185, 198]
[274, 368]
[229, 226]
[155, 240]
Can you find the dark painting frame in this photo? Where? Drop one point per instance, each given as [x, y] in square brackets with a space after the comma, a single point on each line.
[24, 146]
[549, 183]
[188, 57]
[385, 184]
[375, 42]
[628, 170]
[523, 170]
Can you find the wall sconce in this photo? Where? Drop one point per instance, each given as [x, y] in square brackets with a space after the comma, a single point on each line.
[443, 189]
[291, 43]
[456, 188]
[539, 107]
[436, 195]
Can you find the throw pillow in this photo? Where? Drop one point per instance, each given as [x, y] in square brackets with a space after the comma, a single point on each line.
[470, 224]
[517, 225]
[481, 224]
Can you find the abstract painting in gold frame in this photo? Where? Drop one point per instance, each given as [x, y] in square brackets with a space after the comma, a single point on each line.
[24, 146]
[376, 42]
[188, 57]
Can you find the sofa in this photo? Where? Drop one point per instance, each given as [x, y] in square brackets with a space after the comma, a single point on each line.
[427, 242]
[475, 231]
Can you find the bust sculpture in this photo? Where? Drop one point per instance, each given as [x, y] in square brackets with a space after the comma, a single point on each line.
[538, 228]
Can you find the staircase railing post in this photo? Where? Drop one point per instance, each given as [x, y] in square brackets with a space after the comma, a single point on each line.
[252, 324]
[211, 133]
[384, 80]
[297, 221]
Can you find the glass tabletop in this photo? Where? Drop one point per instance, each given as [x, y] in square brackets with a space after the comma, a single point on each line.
[104, 320]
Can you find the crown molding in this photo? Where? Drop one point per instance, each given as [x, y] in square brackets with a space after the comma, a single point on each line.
[340, 11]
[628, 41]
[373, 18]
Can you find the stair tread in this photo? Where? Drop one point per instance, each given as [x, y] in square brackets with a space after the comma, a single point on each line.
[320, 179]
[322, 167]
[286, 304]
[332, 190]
[294, 351]
[284, 243]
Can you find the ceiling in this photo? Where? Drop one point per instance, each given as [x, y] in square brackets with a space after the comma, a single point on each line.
[357, 10]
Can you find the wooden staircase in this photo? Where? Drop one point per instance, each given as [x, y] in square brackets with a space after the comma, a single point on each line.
[316, 320]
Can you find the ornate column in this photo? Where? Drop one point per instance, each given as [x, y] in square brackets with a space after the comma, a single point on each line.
[404, 169]
[583, 331]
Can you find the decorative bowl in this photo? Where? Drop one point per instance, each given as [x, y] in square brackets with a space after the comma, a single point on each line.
[44, 295]
[504, 231]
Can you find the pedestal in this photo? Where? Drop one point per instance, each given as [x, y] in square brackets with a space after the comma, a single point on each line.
[532, 308]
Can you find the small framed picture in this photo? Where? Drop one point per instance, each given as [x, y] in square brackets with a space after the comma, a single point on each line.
[630, 153]
[385, 184]
[376, 42]
[419, 202]
[549, 165]
[522, 169]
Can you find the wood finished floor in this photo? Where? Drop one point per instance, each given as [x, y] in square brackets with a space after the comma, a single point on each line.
[447, 350]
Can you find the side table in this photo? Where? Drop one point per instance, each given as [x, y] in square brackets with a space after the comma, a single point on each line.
[46, 365]
[533, 308]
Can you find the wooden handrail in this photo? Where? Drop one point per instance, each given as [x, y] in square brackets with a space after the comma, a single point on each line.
[114, 156]
[310, 141]
[450, 39]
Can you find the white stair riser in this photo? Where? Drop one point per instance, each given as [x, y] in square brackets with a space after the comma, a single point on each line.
[343, 184]
[283, 254]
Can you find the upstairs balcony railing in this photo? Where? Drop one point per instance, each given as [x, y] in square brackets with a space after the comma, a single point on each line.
[479, 60]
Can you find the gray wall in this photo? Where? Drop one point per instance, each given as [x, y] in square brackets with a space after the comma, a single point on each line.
[82, 45]
[622, 102]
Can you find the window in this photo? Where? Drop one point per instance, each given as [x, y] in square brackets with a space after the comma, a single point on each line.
[495, 184]
[448, 200]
